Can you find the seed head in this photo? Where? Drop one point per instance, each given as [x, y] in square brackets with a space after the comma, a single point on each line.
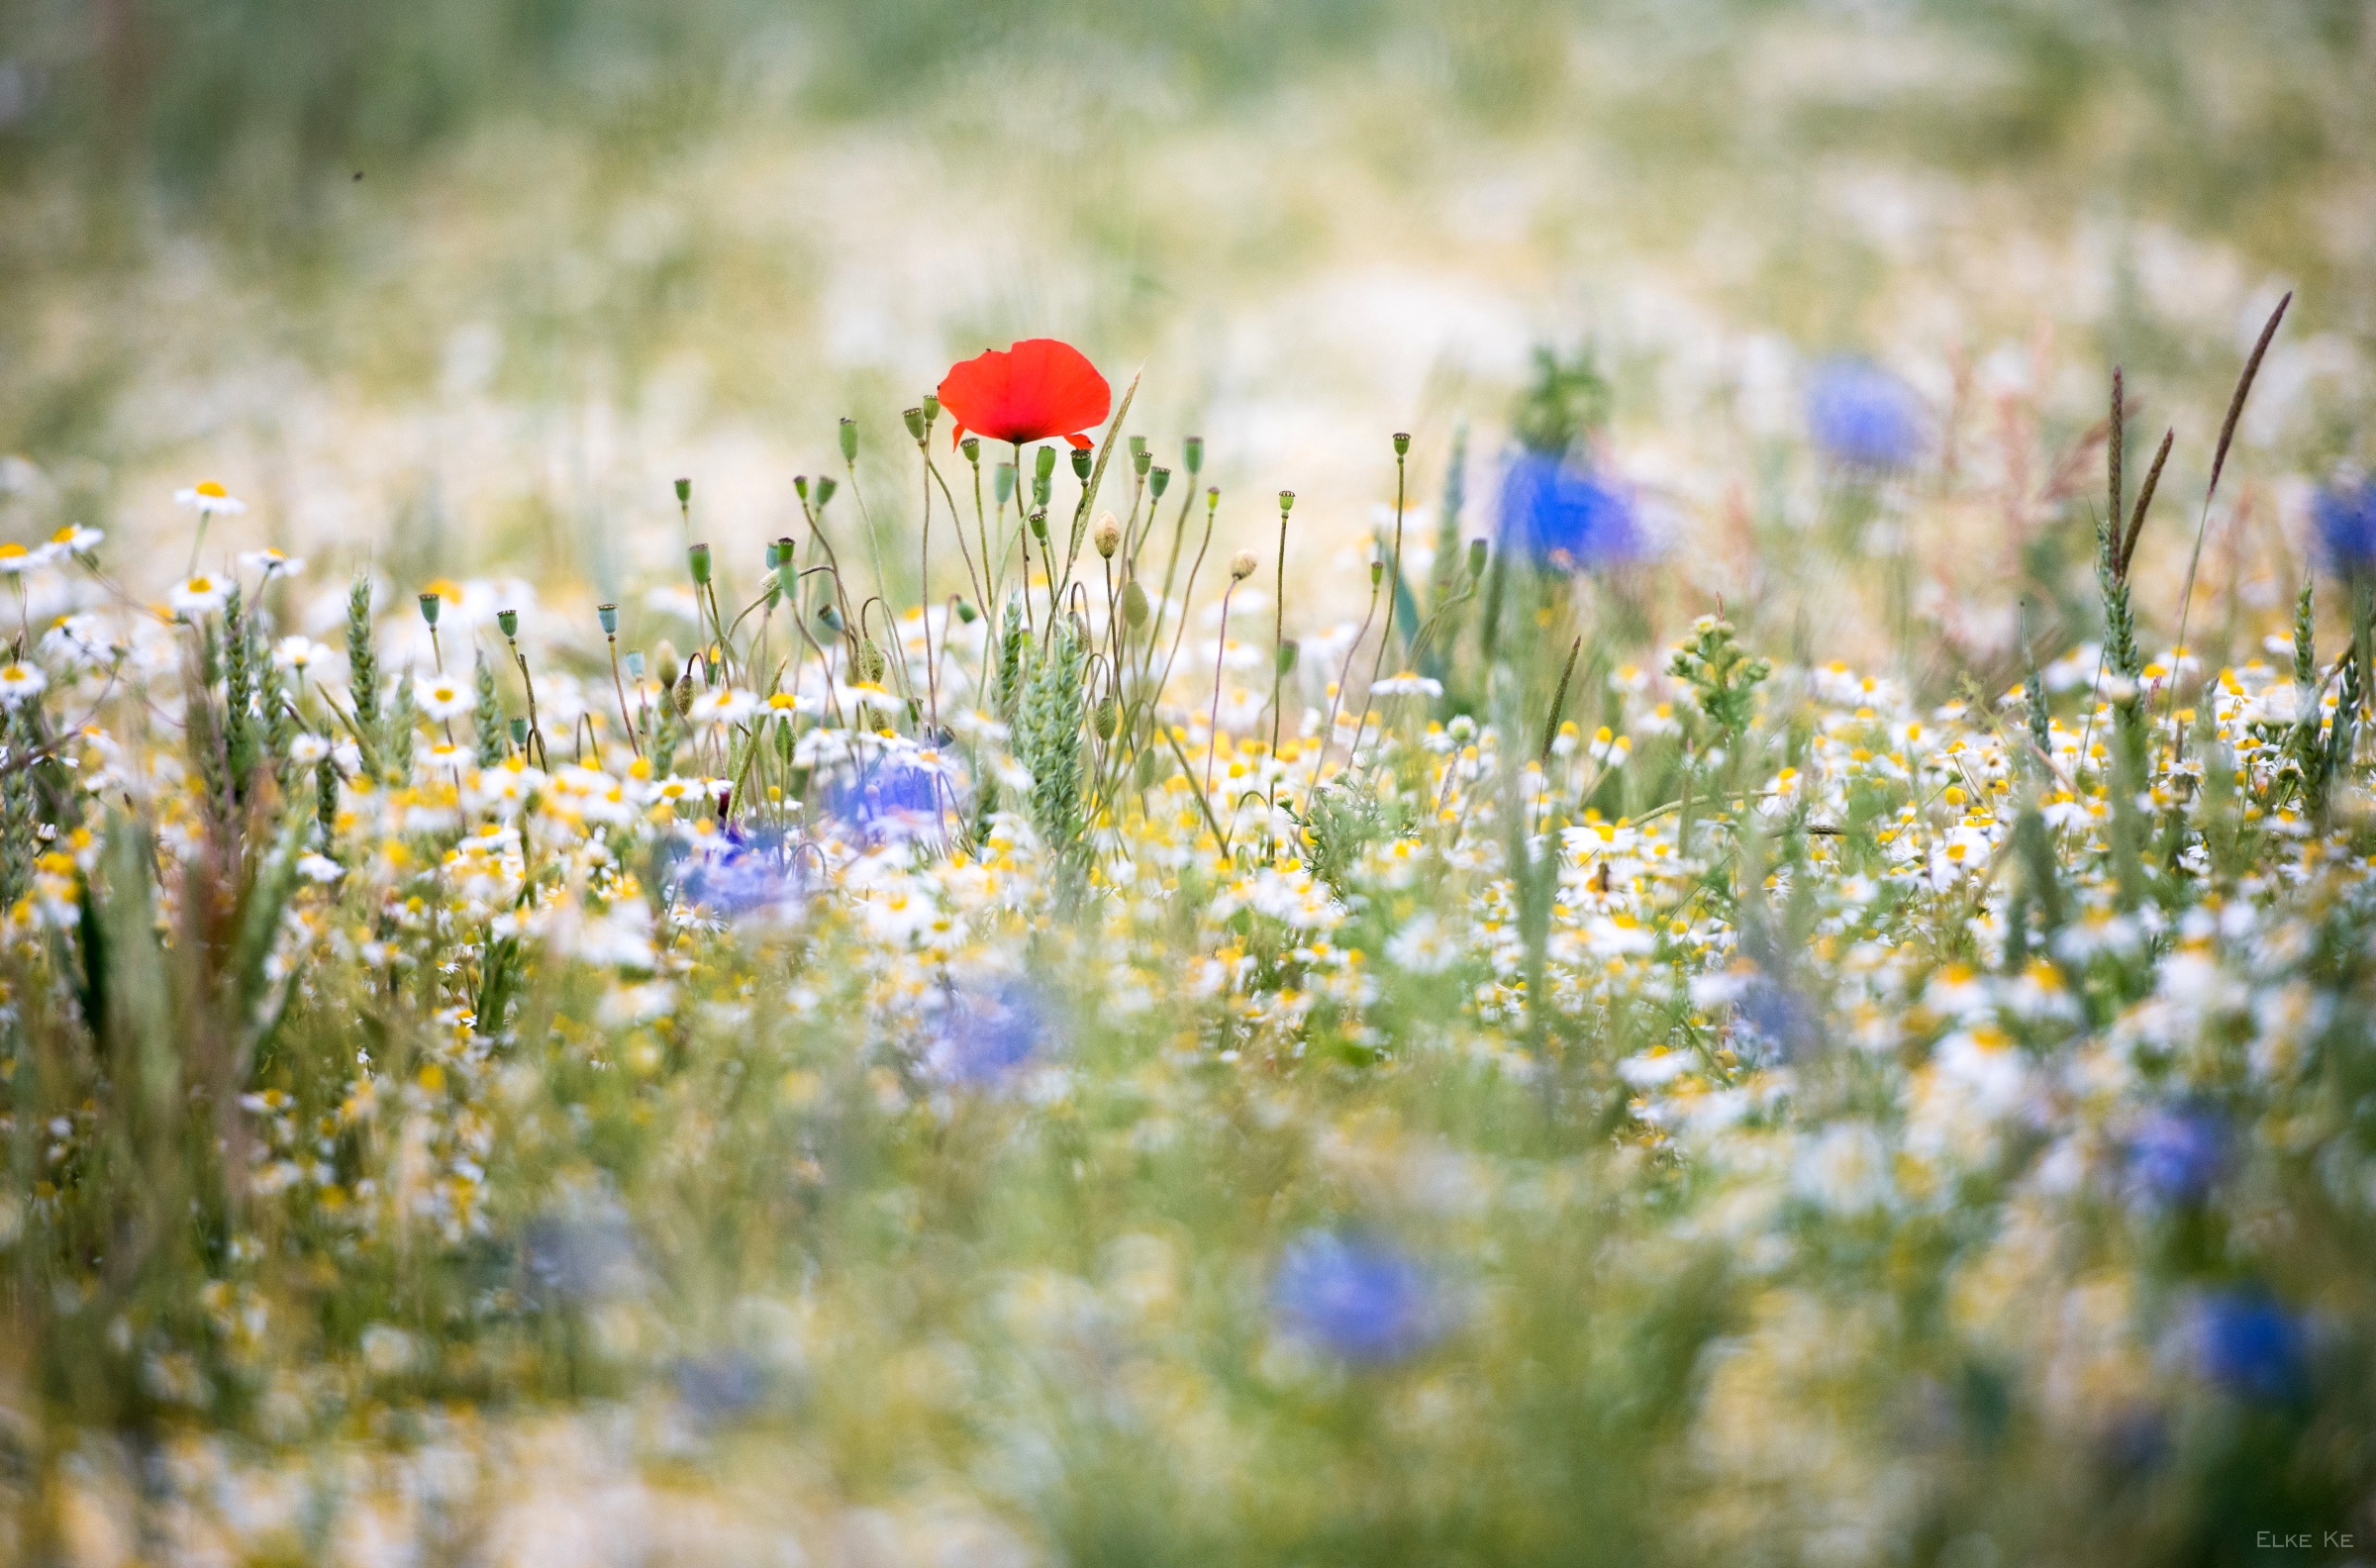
[1134, 604]
[506, 621]
[1081, 464]
[608, 616]
[1158, 481]
[971, 446]
[1192, 451]
[684, 491]
[429, 608]
[698, 557]
[1401, 443]
[914, 422]
[1107, 536]
[1242, 565]
[849, 440]
[1286, 502]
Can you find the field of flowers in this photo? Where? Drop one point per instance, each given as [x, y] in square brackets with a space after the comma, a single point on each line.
[1094, 1067]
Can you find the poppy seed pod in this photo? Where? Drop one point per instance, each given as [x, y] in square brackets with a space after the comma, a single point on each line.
[800, 486]
[664, 664]
[774, 553]
[849, 440]
[1138, 447]
[1141, 460]
[698, 557]
[1081, 464]
[971, 446]
[1401, 443]
[967, 613]
[429, 608]
[1002, 482]
[1107, 534]
[1242, 565]
[1377, 571]
[1039, 526]
[1288, 653]
[830, 617]
[608, 616]
[518, 728]
[1476, 557]
[634, 661]
[1106, 717]
[1158, 481]
[1042, 488]
[1043, 463]
[1212, 498]
[684, 491]
[913, 417]
[1192, 451]
[506, 621]
[1286, 500]
[826, 486]
[932, 409]
[1134, 603]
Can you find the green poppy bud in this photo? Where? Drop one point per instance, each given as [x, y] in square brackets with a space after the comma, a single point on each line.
[698, 557]
[1002, 482]
[971, 446]
[1286, 502]
[1158, 481]
[1193, 452]
[684, 491]
[429, 608]
[608, 616]
[1401, 443]
[827, 484]
[1377, 571]
[1476, 557]
[1043, 462]
[967, 613]
[1108, 715]
[849, 441]
[1288, 651]
[664, 664]
[1134, 603]
[1081, 464]
[914, 422]
[508, 622]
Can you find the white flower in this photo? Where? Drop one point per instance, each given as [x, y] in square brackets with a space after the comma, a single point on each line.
[443, 697]
[270, 560]
[199, 595]
[16, 559]
[308, 749]
[19, 681]
[725, 705]
[319, 868]
[76, 637]
[1406, 683]
[298, 652]
[207, 496]
[77, 538]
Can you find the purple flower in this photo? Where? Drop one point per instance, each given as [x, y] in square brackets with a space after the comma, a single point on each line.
[2177, 1156]
[1360, 1300]
[740, 875]
[891, 798]
[2251, 1346]
[2345, 516]
[1862, 416]
[987, 1033]
[1563, 517]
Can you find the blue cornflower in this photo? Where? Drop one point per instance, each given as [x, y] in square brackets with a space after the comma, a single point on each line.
[988, 1032]
[1564, 517]
[1862, 416]
[1360, 1300]
[2176, 1155]
[2345, 516]
[739, 875]
[2251, 1346]
[893, 797]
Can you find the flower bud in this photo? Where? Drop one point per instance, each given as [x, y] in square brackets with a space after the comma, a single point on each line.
[1401, 443]
[684, 491]
[608, 616]
[914, 422]
[518, 728]
[429, 608]
[1286, 502]
[1108, 715]
[1476, 557]
[1107, 534]
[1002, 482]
[508, 622]
[663, 663]
[827, 484]
[971, 446]
[1158, 481]
[849, 440]
[1377, 571]
[698, 557]
[1134, 603]
[1242, 565]
[1192, 450]
[967, 613]
[1081, 464]
[1043, 462]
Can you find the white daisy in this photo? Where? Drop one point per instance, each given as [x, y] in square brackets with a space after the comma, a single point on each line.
[298, 652]
[1406, 683]
[18, 681]
[77, 538]
[199, 595]
[16, 559]
[208, 496]
[308, 749]
[443, 697]
[270, 560]
[726, 704]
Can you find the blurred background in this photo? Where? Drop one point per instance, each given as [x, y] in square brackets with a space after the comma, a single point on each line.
[458, 286]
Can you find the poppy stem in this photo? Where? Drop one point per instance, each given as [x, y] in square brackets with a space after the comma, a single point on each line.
[1394, 592]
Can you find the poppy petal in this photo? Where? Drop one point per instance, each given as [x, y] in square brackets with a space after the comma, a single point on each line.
[1035, 390]
[1079, 442]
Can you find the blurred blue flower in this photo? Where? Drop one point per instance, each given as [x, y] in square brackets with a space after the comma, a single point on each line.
[1561, 516]
[891, 798]
[1862, 416]
[2176, 1155]
[988, 1032]
[2251, 1346]
[739, 875]
[1357, 1300]
[2345, 516]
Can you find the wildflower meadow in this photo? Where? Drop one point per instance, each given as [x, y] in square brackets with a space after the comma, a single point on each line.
[1088, 1060]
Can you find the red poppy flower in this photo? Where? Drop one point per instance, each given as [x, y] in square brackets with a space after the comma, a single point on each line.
[1037, 389]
